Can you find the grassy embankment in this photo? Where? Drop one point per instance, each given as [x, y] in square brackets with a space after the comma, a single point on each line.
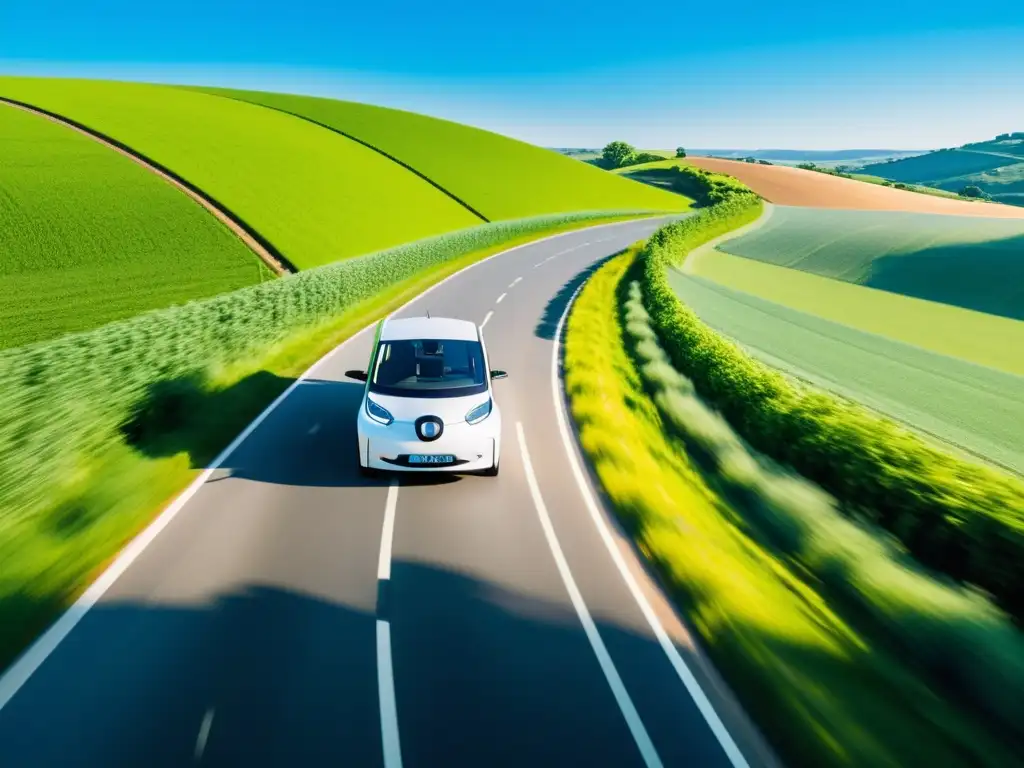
[500, 177]
[823, 689]
[88, 237]
[75, 486]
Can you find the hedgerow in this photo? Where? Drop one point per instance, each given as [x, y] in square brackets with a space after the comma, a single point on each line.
[951, 629]
[64, 401]
[959, 518]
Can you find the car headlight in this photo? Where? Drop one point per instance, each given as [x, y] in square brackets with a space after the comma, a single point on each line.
[479, 413]
[378, 413]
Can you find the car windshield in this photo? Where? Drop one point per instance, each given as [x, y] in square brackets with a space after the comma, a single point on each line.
[429, 368]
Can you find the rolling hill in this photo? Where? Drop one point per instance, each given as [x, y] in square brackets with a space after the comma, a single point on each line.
[996, 166]
[794, 186]
[936, 166]
[314, 181]
[87, 236]
[315, 196]
[973, 263]
[498, 177]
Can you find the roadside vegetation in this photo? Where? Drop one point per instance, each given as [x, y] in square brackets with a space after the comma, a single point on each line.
[957, 517]
[499, 177]
[803, 610]
[974, 410]
[313, 195]
[88, 237]
[98, 430]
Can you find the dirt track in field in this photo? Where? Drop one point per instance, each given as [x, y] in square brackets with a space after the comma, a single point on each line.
[784, 185]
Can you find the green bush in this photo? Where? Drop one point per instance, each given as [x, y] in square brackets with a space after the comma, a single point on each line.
[957, 634]
[707, 188]
[956, 517]
[65, 401]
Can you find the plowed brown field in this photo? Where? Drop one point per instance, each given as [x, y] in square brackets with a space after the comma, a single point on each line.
[784, 185]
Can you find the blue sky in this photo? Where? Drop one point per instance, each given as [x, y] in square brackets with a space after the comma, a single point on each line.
[894, 74]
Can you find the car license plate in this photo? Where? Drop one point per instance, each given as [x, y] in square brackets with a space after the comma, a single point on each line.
[443, 458]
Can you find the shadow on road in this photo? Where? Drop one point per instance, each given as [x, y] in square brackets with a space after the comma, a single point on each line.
[483, 675]
[548, 323]
[308, 440]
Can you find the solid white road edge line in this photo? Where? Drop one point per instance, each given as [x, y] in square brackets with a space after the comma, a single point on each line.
[386, 692]
[632, 717]
[25, 665]
[682, 670]
[487, 317]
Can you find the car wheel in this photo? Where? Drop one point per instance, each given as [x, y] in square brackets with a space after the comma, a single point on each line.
[369, 472]
[492, 472]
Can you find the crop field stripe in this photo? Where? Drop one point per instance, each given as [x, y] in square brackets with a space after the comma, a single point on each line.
[263, 249]
[368, 145]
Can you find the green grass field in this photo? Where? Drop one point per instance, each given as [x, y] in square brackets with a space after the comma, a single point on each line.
[978, 409]
[497, 176]
[989, 340]
[88, 237]
[936, 166]
[314, 195]
[970, 262]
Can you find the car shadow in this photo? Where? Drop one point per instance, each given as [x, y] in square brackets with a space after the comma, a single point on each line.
[308, 439]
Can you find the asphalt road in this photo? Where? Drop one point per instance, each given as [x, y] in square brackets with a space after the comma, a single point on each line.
[288, 612]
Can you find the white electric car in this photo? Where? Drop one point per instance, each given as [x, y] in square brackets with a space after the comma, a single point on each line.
[428, 404]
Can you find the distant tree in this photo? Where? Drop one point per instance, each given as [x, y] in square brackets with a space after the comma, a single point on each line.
[680, 152]
[1002, 137]
[764, 162]
[643, 157]
[972, 190]
[617, 154]
[808, 166]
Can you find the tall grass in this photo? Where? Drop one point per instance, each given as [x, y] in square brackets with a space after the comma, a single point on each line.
[823, 692]
[98, 431]
[956, 517]
[955, 632]
[64, 400]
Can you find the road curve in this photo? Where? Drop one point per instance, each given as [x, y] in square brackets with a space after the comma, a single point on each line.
[286, 611]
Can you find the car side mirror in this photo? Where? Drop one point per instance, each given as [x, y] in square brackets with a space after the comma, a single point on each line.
[499, 375]
[357, 375]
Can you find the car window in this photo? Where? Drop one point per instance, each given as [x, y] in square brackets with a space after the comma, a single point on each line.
[429, 368]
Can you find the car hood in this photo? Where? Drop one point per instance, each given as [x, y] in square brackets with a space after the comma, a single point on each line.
[451, 410]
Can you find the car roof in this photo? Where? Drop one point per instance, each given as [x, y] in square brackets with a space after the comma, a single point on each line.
[429, 328]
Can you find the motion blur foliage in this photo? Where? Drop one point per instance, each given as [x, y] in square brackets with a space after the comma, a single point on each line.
[962, 519]
[956, 633]
[64, 401]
